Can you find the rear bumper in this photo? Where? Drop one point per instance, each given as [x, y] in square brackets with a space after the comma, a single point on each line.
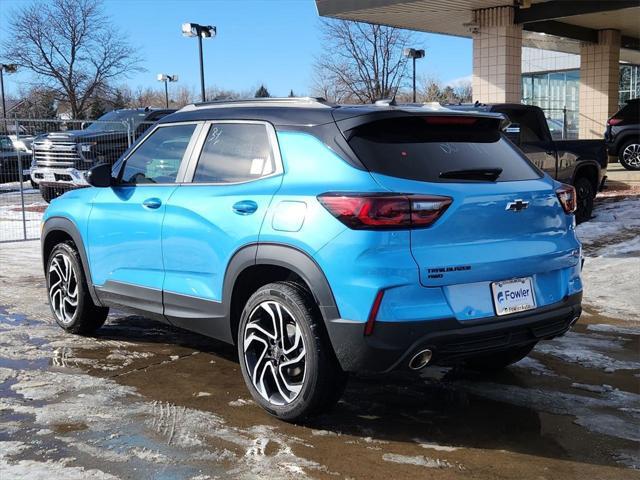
[393, 344]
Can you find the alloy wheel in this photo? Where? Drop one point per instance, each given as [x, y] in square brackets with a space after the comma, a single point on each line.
[63, 288]
[631, 155]
[274, 353]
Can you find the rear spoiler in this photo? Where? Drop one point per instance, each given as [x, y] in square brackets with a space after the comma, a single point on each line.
[490, 120]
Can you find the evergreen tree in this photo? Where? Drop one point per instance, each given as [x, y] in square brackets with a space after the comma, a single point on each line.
[291, 94]
[97, 109]
[262, 92]
[119, 101]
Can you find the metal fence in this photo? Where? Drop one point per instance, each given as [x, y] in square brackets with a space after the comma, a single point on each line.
[40, 159]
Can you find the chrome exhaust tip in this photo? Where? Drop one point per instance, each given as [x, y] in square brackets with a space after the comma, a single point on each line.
[574, 320]
[420, 359]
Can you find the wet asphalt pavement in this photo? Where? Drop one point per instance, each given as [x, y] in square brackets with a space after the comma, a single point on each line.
[144, 400]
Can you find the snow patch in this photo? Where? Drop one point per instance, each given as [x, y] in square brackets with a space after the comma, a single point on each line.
[34, 470]
[435, 446]
[6, 374]
[417, 460]
[588, 351]
[607, 328]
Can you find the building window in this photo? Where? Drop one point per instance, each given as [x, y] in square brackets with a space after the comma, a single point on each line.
[629, 83]
[557, 94]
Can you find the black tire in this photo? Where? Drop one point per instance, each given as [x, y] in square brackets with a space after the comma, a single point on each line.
[34, 185]
[585, 193]
[48, 193]
[499, 360]
[629, 154]
[87, 317]
[322, 381]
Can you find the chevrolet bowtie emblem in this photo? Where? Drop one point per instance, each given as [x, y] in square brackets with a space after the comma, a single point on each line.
[517, 206]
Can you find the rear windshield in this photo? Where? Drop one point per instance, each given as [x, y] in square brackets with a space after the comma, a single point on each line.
[630, 112]
[424, 148]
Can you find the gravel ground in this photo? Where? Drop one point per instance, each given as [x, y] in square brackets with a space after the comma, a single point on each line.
[144, 400]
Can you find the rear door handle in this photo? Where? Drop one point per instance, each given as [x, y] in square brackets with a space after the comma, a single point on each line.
[152, 203]
[245, 207]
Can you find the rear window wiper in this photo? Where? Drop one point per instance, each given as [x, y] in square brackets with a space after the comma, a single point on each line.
[481, 174]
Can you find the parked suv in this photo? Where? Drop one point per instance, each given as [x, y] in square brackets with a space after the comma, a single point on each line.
[323, 240]
[61, 159]
[623, 135]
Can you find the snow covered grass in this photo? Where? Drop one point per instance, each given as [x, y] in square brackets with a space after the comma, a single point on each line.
[611, 243]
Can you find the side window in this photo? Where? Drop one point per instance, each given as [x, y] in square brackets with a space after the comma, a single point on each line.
[235, 152]
[6, 144]
[530, 129]
[158, 157]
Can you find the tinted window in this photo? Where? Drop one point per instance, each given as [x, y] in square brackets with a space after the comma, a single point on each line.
[158, 158]
[414, 149]
[118, 120]
[235, 152]
[531, 130]
[6, 144]
[630, 112]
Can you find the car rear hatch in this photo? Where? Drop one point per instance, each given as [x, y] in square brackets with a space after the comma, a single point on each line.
[504, 221]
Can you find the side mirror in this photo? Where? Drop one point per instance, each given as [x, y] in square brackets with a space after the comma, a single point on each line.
[512, 132]
[100, 176]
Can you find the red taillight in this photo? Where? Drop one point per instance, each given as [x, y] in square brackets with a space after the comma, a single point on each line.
[383, 211]
[449, 120]
[567, 196]
[373, 314]
[614, 121]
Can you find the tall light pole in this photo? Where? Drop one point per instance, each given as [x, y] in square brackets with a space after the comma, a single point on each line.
[413, 54]
[200, 31]
[162, 77]
[9, 68]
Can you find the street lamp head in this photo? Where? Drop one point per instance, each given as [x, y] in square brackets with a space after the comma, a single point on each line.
[163, 77]
[208, 31]
[188, 30]
[196, 30]
[413, 53]
[9, 67]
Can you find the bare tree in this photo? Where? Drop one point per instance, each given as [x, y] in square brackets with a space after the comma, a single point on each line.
[430, 90]
[71, 47]
[361, 62]
[463, 91]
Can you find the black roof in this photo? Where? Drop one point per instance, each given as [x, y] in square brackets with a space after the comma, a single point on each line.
[302, 112]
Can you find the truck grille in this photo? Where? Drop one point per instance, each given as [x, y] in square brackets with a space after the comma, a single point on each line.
[55, 154]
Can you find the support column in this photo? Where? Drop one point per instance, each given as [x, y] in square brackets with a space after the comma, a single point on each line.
[497, 56]
[599, 82]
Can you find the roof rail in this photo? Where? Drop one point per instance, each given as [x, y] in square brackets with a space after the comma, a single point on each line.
[262, 102]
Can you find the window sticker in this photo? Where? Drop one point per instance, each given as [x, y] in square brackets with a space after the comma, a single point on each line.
[257, 165]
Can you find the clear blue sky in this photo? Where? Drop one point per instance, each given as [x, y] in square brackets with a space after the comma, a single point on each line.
[259, 41]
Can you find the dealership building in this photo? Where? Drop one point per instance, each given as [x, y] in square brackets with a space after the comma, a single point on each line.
[576, 59]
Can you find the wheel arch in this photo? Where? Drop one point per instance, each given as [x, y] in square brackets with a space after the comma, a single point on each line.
[59, 229]
[257, 265]
[589, 169]
[622, 139]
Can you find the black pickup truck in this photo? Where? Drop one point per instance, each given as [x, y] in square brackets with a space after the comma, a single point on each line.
[61, 159]
[581, 163]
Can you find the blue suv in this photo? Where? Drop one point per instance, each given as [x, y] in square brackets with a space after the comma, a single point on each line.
[322, 240]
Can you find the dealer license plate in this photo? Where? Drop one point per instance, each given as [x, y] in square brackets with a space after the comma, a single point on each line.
[512, 296]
